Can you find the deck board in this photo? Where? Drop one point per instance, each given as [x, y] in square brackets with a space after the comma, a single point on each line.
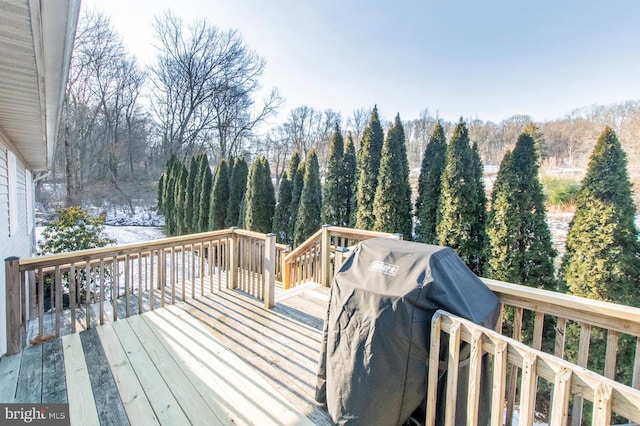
[30, 379]
[182, 386]
[82, 407]
[163, 402]
[105, 392]
[54, 385]
[134, 400]
[220, 358]
[9, 371]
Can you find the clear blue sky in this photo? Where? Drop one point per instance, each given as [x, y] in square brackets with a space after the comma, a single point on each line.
[477, 59]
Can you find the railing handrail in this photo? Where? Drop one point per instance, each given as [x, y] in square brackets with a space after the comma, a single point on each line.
[621, 318]
[123, 249]
[305, 245]
[615, 397]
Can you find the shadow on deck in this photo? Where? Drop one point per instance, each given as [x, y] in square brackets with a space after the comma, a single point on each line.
[220, 358]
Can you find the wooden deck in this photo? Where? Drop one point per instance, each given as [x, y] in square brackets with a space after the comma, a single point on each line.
[218, 359]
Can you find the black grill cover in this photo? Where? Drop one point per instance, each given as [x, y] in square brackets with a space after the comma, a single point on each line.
[375, 348]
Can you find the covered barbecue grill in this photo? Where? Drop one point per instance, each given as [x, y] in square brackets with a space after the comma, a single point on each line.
[375, 349]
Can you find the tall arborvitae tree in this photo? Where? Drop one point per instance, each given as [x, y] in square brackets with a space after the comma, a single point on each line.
[260, 198]
[334, 194]
[460, 219]
[282, 218]
[349, 164]
[521, 249]
[392, 203]
[181, 217]
[602, 259]
[479, 239]
[161, 189]
[169, 204]
[206, 185]
[296, 176]
[191, 209]
[220, 197]
[429, 186]
[203, 163]
[368, 169]
[237, 188]
[308, 220]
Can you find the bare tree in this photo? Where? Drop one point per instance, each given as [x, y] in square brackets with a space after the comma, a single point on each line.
[204, 84]
[101, 110]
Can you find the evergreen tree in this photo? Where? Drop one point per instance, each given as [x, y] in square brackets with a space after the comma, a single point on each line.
[368, 169]
[180, 203]
[521, 249]
[260, 201]
[334, 196]
[429, 186]
[237, 188]
[220, 198]
[478, 233]
[161, 189]
[203, 179]
[349, 164]
[191, 189]
[602, 259]
[169, 204]
[308, 220]
[296, 176]
[392, 203]
[282, 218]
[461, 213]
[206, 184]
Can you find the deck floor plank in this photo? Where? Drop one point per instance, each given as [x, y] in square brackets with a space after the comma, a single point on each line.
[54, 385]
[283, 350]
[105, 393]
[9, 371]
[134, 400]
[184, 388]
[260, 402]
[30, 378]
[82, 407]
[162, 400]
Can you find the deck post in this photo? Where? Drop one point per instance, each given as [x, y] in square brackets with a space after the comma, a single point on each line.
[14, 305]
[270, 270]
[233, 259]
[285, 270]
[341, 256]
[325, 256]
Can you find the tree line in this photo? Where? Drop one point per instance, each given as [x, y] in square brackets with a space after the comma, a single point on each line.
[122, 121]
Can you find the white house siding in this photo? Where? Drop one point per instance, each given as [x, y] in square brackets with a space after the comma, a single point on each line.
[16, 241]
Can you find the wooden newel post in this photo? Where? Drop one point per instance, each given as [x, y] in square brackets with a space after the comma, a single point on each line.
[285, 270]
[270, 271]
[325, 256]
[233, 259]
[15, 314]
[341, 256]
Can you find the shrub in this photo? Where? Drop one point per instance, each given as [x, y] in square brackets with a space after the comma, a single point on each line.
[560, 191]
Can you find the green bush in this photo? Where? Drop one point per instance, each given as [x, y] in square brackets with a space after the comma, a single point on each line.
[560, 191]
[74, 230]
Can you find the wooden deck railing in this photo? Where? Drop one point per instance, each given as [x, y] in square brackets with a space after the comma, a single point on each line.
[313, 260]
[506, 354]
[134, 277]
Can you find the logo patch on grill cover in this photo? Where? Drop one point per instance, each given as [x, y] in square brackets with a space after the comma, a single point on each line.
[385, 268]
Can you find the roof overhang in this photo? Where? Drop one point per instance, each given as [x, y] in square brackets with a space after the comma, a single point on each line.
[36, 40]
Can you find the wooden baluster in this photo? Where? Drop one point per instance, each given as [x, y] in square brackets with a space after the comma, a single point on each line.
[270, 271]
[561, 392]
[57, 280]
[499, 382]
[14, 300]
[513, 375]
[40, 303]
[475, 373]
[561, 333]
[583, 358]
[528, 389]
[453, 366]
[610, 357]
[433, 373]
[102, 285]
[72, 295]
[127, 291]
